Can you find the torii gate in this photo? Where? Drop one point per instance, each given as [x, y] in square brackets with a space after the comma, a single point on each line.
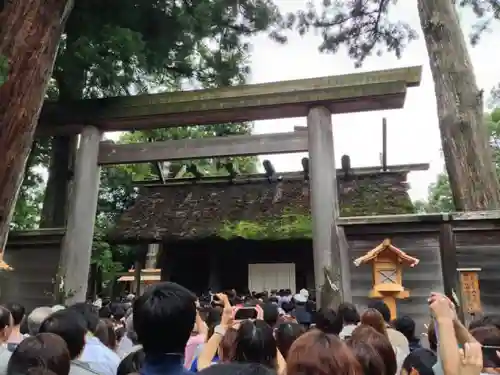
[316, 98]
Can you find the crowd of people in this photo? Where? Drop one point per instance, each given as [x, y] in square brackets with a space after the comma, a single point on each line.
[169, 331]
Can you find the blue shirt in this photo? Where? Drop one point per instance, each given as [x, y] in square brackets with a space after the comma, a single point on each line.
[165, 364]
[99, 357]
[194, 364]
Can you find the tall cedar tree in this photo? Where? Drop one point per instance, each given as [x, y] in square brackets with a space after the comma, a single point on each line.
[134, 46]
[365, 28]
[30, 31]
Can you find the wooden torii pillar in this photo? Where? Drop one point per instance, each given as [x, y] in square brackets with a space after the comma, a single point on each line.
[77, 243]
[330, 255]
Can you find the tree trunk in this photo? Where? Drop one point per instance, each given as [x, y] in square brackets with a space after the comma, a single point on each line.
[30, 31]
[464, 136]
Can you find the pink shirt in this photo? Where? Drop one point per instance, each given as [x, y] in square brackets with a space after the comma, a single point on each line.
[192, 344]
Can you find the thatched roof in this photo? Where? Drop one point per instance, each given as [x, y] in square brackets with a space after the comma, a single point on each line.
[196, 211]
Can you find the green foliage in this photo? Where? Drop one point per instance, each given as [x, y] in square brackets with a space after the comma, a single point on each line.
[365, 27]
[131, 46]
[30, 199]
[288, 226]
[4, 69]
[440, 198]
[109, 258]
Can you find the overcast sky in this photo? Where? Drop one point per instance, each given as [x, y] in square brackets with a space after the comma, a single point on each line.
[413, 134]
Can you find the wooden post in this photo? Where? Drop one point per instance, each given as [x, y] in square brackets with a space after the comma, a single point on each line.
[449, 263]
[384, 144]
[77, 243]
[328, 251]
[137, 278]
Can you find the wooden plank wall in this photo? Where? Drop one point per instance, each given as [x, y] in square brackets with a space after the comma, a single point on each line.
[478, 246]
[34, 255]
[420, 240]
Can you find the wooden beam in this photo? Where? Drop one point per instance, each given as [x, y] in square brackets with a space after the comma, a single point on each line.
[251, 178]
[356, 92]
[241, 145]
[158, 167]
[390, 219]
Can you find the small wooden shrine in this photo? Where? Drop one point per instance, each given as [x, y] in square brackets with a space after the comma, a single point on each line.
[387, 262]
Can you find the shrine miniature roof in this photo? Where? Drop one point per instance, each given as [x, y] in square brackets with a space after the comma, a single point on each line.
[198, 210]
[387, 245]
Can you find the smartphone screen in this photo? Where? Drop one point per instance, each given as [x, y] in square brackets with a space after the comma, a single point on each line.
[244, 313]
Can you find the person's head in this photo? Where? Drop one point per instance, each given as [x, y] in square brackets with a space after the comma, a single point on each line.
[379, 342]
[271, 313]
[406, 326]
[382, 308]
[255, 343]
[6, 323]
[326, 320]
[56, 308]
[488, 337]
[286, 334]
[419, 362]
[287, 307]
[299, 300]
[373, 318]
[163, 318]
[348, 314]
[89, 313]
[226, 346]
[235, 368]
[70, 326]
[105, 332]
[36, 317]
[369, 359]
[319, 353]
[44, 350]
[18, 311]
[132, 363]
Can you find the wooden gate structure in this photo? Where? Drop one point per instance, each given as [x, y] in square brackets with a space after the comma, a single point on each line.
[317, 99]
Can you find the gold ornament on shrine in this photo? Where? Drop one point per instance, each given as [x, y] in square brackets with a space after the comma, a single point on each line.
[387, 262]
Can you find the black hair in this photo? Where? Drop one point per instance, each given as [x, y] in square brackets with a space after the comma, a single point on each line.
[287, 307]
[118, 313]
[44, 350]
[326, 321]
[422, 360]
[17, 311]
[237, 369]
[255, 343]
[89, 313]
[4, 318]
[271, 313]
[70, 326]
[348, 313]
[286, 334]
[132, 363]
[406, 326]
[164, 317]
[382, 308]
